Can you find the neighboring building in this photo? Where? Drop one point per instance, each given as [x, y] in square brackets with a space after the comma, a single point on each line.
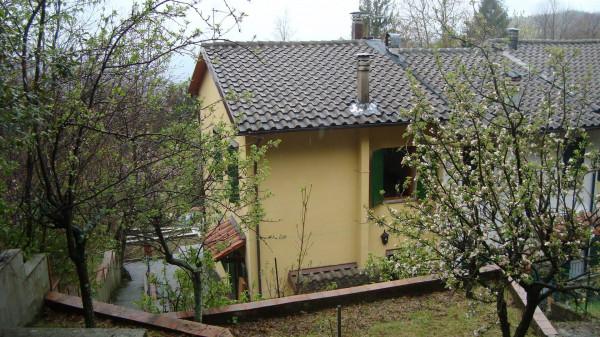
[340, 129]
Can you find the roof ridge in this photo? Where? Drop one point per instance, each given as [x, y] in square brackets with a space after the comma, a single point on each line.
[549, 41]
[447, 49]
[279, 43]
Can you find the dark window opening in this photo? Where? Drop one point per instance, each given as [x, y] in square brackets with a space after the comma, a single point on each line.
[396, 175]
[574, 149]
[389, 175]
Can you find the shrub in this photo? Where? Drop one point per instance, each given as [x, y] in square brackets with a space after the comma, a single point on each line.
[408, 260]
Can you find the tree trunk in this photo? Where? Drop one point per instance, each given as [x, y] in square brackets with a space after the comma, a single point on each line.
[76, 244]
[86, 295]
[121, 237]
[502, 312]
[197, 282]
[533, 296]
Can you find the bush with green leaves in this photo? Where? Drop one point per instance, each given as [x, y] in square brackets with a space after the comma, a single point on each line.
[408, 260]
[180, 295]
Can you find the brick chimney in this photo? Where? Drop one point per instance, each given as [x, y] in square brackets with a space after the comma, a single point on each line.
[362, 84]
[358, 25]
[513, 38]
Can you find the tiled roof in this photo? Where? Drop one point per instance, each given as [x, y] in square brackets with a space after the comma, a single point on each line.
[429, 65]
[224, 239]
[279, 86]
[306, 85]
[584, 58]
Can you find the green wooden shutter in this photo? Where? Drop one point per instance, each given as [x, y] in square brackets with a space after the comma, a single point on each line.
[376, 177]
[233, 175]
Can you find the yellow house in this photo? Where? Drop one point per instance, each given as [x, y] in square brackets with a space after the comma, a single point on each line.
[334, 130]
[334, 106]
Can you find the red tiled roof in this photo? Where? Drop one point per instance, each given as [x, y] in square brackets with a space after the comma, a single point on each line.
[225, 238]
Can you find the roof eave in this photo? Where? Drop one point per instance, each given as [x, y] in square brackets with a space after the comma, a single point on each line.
[317, 128]
[199, 71]
[202, 66]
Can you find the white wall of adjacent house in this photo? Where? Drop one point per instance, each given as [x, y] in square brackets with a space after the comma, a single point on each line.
[592, 182]
[588, 199]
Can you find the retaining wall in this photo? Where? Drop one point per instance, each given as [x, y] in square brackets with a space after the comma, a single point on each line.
[108, 277]
[23, 286]
[318, 300]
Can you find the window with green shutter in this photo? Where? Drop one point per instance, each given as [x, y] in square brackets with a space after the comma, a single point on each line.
[390, 179]
[376, 177]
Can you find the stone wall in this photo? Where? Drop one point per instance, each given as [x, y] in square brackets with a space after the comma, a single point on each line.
[23, 286]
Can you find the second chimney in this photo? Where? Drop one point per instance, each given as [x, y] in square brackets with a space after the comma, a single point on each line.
[358, 25]
[513, 38]
[362, 84]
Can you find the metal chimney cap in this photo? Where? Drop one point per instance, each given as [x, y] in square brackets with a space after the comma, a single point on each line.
[512, 29]
[364, 55]
[393, 40]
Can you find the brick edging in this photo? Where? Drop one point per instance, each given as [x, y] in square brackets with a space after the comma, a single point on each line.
[138, 317]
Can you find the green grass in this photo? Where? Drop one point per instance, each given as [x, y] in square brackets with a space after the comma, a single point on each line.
[438, 314]
[444, 319]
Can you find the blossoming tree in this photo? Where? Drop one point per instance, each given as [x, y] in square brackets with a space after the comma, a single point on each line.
[504, 181]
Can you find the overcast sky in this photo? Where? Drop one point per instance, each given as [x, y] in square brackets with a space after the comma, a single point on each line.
[324, 19]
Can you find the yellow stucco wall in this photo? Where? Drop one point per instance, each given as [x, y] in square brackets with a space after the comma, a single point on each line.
[336, 163]
[213, 108]
[214, 112]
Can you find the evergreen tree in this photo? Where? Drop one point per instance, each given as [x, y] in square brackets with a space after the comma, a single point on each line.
[382, 16]
[491, 20]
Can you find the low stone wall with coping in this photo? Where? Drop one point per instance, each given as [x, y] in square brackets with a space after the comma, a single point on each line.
[24, 285]
[314, 301]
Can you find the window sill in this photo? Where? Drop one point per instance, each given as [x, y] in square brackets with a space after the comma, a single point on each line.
[399, 200]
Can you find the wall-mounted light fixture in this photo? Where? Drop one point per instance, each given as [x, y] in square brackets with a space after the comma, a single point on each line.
[385, 237]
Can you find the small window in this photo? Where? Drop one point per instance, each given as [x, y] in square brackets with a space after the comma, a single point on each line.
[389, 175]
[574, 148]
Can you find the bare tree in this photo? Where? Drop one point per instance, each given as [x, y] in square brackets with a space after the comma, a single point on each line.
[568, 24]
[427, 23]
[547, 19]
[283, 29]
[416, 22]
[304, 240]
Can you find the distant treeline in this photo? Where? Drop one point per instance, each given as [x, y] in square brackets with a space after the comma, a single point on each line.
[558, 25]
